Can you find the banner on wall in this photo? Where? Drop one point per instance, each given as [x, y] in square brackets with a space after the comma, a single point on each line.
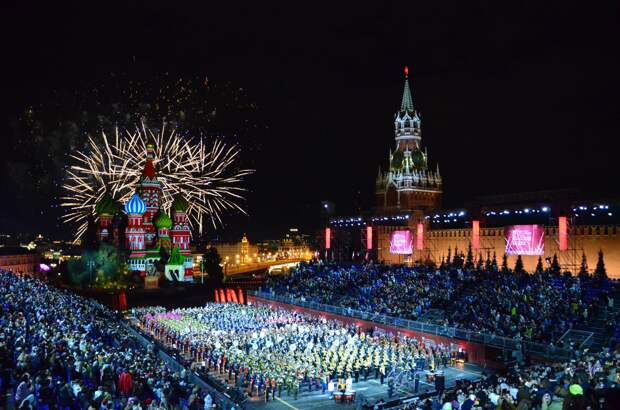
[525, 240]
[419, 243]
[401, 242]
[328, 238]
[475, 235]
[563, 232]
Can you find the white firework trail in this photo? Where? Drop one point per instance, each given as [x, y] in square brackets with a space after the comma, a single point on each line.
[205, 173]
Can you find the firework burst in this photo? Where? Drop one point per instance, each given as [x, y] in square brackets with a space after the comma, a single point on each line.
[205, 173]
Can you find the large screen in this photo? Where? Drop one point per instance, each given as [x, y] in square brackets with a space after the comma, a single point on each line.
[401, 242]
[525, 240]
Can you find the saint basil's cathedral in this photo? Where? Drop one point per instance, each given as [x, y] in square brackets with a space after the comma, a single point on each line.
[148, 229]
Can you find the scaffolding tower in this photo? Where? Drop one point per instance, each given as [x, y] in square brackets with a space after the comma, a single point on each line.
[569, 259]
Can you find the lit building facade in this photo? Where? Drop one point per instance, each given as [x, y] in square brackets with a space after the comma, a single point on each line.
[19, 260]
[245, 252]
[240, 253]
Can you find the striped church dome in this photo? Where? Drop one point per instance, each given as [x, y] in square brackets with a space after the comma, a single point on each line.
[135, 205]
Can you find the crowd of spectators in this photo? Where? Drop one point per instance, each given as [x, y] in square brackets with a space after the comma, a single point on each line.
[590, 382]
[61, 351]
[537, 307]
[533, 307]
[391, 290]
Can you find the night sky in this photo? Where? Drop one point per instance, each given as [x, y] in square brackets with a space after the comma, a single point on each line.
[514, 97]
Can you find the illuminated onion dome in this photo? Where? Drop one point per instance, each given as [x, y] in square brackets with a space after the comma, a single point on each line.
[106, 206]
[179, 204]
[135, 205]
[418, 158]
[163, 221]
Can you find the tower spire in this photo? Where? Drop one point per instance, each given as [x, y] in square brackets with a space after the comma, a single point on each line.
[407, 103]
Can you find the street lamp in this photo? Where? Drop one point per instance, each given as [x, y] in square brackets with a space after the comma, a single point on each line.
[91, 265]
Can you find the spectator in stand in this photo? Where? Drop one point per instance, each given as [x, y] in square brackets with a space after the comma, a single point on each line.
[569, 385]
[66, 352]
[539, 307]
[396, 291]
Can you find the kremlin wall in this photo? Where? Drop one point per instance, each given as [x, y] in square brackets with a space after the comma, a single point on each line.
[585, 240]
[408, 224]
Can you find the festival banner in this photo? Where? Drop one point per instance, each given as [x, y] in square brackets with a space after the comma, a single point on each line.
[401, 242]
[525, 240]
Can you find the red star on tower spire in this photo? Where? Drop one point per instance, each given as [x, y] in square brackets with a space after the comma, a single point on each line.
[406, 72]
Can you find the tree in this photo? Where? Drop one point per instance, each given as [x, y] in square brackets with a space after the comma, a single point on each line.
[583, 270]
[90, 240]
[488, 264]
[539, 265]
[164, 255]
[176, 258]
[494, 263]
[600, 272]
[212, 261]
[443, 263]
[469, 261]
[76, 273]
[480, 265]
[505, 263]
[101, 265]
[449, 259]
[519, 265]
[107, 264]
[555, 264]
[458, 259]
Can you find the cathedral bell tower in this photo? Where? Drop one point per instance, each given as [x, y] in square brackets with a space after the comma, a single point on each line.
[151, 193]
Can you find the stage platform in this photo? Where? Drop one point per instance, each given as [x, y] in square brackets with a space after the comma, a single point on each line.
[369, 391]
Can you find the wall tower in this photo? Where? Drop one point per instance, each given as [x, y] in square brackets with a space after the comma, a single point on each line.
[408, 184]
